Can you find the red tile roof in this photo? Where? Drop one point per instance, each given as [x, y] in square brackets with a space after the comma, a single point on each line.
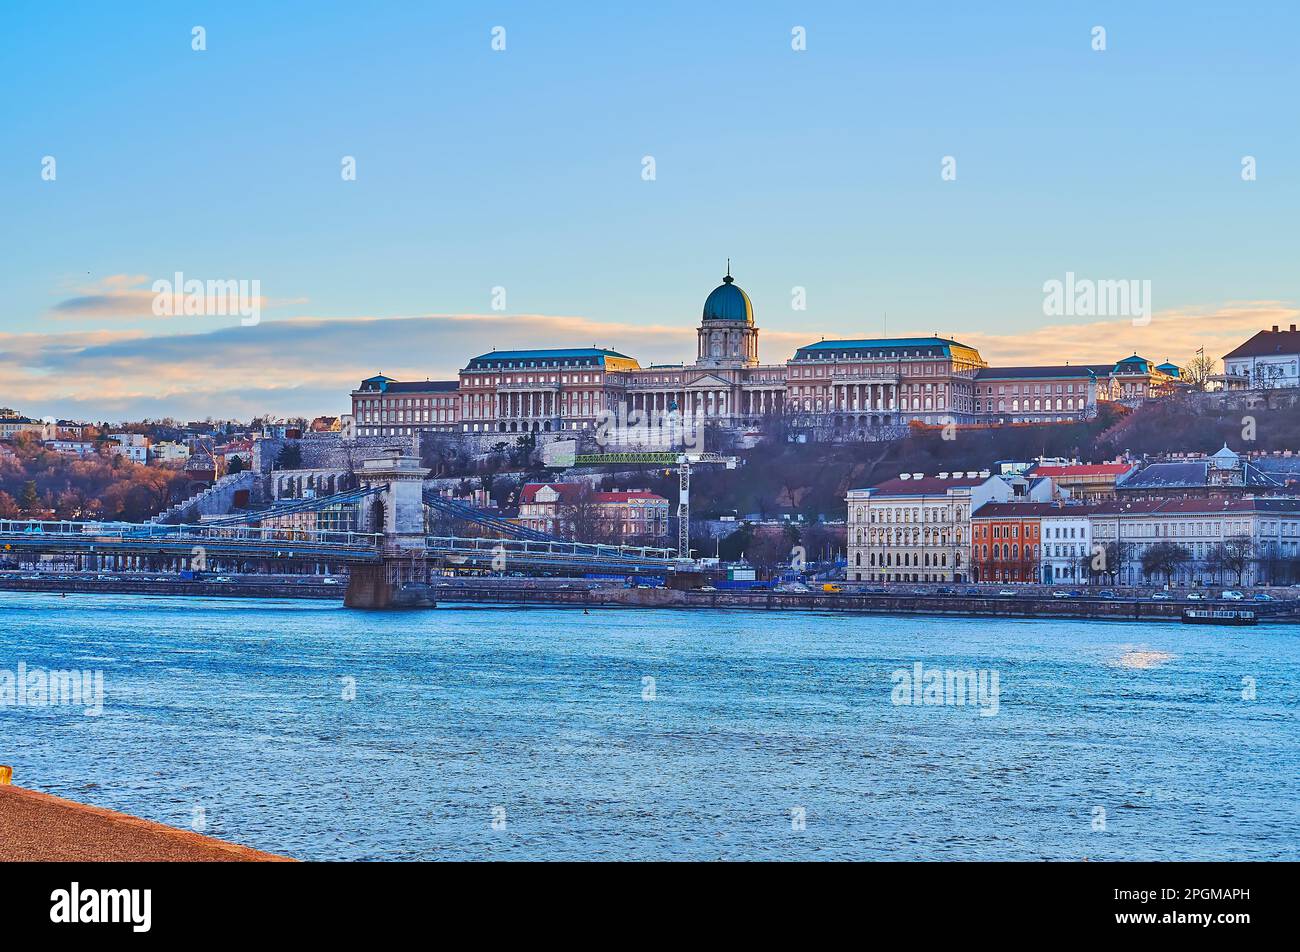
[1209, 506]
[1084, 469]
[567, 491]
[1028, 510]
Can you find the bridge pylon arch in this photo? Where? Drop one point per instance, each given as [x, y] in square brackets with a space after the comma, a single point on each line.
[401, 504]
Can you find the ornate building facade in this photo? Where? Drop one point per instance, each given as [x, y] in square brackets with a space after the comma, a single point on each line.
[883, 382]
[854, 386]
[382, 406]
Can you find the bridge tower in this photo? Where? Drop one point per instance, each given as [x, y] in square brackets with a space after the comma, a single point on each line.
[399, 512]
[401, 579]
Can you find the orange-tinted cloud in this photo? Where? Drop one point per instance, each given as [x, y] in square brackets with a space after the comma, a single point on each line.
[1175, 335]
[307, 365]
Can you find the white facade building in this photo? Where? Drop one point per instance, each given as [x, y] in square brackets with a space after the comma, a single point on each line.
[169, 452]
[1268, 526]
[1268, 361]
[1066, 540]
[132, 446]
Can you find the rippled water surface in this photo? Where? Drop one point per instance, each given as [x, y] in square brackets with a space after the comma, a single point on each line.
[546, 719]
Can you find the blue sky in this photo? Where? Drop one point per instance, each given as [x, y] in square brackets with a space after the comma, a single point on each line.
[522, 169]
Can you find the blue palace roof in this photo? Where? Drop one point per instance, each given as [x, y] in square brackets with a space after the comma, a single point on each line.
[728, 303]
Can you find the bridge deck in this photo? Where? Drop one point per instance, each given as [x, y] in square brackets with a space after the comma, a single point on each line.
[246, 542]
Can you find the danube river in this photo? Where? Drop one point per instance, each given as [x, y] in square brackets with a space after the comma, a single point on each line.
[480, 733]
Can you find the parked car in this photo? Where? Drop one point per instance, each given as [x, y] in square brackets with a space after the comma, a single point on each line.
[1006, 593]
[327, 580]
[1161, 597]
[973, 591]
[1062, 595]
[1108, 595]
[1231, 596]
[1195, 596]
[1264, 597]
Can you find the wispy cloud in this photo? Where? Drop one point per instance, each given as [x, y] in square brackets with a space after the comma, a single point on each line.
[1175, 335]
[307, 364]
[132, 296]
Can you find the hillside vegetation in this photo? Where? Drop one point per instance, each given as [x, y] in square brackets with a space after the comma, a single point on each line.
[812, 479]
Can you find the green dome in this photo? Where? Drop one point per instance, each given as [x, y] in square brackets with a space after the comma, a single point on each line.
[728, 303]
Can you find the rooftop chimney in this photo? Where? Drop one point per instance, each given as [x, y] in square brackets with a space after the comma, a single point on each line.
[1274, 328]
[1292, 328]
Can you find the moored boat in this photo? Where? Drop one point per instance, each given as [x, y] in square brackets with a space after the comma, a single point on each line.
[1219, 616]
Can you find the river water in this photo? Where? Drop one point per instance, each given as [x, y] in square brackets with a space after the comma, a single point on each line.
[479, 732]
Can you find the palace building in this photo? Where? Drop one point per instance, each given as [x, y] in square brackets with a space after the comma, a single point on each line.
[856, 386]
[884, 382]
[1036, 394]
[382, 406]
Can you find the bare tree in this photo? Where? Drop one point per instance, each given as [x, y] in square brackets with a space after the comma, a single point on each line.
[1199, 370]
[581, 517]
[1104, 561]
[767, 551]
[1165, 558]
[1234, 554]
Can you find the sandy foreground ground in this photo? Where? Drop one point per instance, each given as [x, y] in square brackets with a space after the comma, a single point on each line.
[36, 827]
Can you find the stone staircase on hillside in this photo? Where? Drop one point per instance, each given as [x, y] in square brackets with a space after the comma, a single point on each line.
[216, 500]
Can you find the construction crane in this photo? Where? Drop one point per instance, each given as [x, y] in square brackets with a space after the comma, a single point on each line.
[562, 455]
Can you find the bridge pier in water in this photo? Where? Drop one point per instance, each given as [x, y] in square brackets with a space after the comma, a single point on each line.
[401, 580]
[393, 583]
